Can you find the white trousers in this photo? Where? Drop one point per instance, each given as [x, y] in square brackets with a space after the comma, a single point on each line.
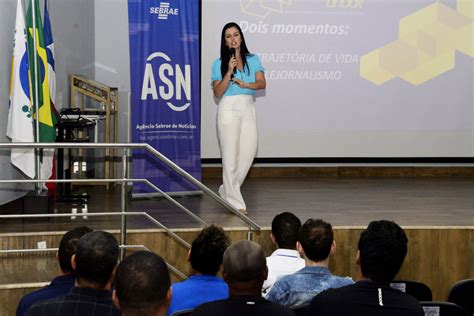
[237, 133]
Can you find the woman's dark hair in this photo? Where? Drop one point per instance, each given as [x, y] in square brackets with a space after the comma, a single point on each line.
[225, 54]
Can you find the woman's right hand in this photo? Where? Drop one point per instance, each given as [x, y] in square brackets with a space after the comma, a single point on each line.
[220, 86]
[232, 64]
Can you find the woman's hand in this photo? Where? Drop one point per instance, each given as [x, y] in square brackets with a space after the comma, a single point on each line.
[232, 64]
[241, 83]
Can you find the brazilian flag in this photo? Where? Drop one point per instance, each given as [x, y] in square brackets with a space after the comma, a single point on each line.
[47, 120]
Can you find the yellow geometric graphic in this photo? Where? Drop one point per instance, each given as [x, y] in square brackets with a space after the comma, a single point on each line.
[466, 8]
[262, 8]
[370, 68]
[425, 49]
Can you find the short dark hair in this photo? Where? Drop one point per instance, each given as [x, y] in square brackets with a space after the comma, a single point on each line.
[67, 247]
[142, 282]
[208, 249]
[316, 237]
[285, 227]
[244, 261]
[96, 257]
[382, 247]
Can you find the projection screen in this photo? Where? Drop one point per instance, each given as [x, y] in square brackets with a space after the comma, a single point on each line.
[352, 78]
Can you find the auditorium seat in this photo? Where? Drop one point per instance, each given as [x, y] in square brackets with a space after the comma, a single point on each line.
[185, 312]
[442, 309]
[462, 294]
[417, 289]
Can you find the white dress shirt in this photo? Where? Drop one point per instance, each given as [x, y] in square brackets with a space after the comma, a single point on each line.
[281, 262]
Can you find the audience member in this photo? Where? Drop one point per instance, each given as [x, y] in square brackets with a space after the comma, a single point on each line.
[142, 285]
[286, 259]
[315, 244]
[381, 251]
[94, 262]
[63, 283]
[205, 258]
[245, 270]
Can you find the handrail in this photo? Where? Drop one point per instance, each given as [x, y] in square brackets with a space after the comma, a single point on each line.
[125, 181]
[171, 267]
[148, 216]
[153, 151]
[166, 195]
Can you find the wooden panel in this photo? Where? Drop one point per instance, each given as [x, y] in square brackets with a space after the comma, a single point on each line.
[437, 257]
[452, 255]
[347, 172]
[343, 262]
[470, 255]
[9, 300]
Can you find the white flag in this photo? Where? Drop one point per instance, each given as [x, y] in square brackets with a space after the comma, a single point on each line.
[20, 120]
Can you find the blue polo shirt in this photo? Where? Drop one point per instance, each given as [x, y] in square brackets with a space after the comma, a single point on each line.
[59, 286]
[196, 290]
[248, 76]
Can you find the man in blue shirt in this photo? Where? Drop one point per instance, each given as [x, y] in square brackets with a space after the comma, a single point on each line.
[61, 284]
[205, 258]
[315, 244]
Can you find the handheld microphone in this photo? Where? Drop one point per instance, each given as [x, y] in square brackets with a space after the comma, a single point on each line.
[232, 54]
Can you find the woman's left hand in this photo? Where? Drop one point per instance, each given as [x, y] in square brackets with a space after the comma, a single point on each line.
[241, 83]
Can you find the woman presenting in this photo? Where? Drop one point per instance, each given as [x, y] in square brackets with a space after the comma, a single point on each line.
[236, 75]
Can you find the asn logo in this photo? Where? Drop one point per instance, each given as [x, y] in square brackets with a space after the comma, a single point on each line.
[164, 10]
[172, 81]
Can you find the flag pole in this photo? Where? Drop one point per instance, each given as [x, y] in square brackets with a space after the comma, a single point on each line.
[35, 66]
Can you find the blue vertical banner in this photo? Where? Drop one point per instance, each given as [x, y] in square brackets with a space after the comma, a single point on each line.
[165, 84]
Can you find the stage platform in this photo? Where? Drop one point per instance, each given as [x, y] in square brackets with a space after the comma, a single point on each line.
[346, 202]
[437, 213]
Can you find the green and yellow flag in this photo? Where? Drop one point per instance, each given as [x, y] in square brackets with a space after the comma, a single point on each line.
[47, 119]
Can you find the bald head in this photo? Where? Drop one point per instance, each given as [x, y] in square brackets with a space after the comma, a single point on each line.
[244, 261]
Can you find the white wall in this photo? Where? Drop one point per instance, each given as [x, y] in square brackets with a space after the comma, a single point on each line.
[112, 54]
[73, 30]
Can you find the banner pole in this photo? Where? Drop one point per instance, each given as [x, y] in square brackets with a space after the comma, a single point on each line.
[35, 78]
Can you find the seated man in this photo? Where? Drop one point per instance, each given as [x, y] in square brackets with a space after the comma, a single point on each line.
[63, 283]
[245, 270]
[95, 262]
[286, 259]
[315, 244]
[142, 285]
[205, 259]
[381, 251]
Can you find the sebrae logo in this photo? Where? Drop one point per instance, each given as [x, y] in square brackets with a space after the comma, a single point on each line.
[167, 81]
[164, 10]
